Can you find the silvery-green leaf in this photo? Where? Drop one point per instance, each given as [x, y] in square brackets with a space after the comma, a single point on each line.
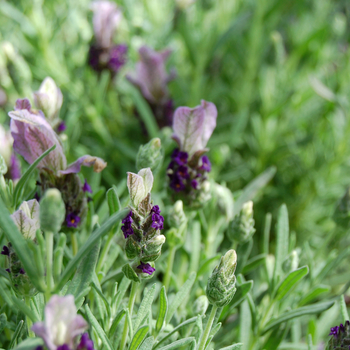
[136, 188]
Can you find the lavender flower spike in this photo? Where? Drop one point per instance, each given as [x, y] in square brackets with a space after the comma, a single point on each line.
[194, 126]
[105, 20]
[151, 77]
[62, 324]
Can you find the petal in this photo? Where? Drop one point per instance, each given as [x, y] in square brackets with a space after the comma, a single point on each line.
[41, 331]
[136, 188]
[188, 128]
[98, 164]
[32, 136]
[147, 177]
[77, 326]
[209, 124]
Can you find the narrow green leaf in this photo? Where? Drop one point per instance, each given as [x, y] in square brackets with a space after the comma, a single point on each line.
[292, 279]
[343, 309]
[3, 322]
[282, 240]
[180, 296]
[29, 344]
[25, 177]
[20, 245]
[100, 332]
[25, 309]
[301, 311]
[4, 292]
[177, 344]
[233, 347]
[313, 294]
[163, 309]
[253, 187]
[16, 334]
[138, 338]
[115, 322]
[89, 244]
[124, 284]
[103, 298]
[144, 306]
[83, 276]
[253, 263]
[113, 200]
[147, 344]
[205, 266]
[183, 324]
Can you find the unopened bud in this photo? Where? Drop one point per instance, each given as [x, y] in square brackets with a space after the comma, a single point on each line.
[132, 249]
[49, 98]
[221, 283]
[224, 200]
[241, 228]
[150, 155]
[200, 305]
[52, 211]
[177, 215]
[152, 249]
[291, 263]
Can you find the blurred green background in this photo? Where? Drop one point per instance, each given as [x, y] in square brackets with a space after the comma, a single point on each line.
[278, 72]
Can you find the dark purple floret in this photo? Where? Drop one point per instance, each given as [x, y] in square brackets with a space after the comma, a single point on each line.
[72, 220]
[194, 184]
[40, 347]
[85, 343]
[179, 157]
[15, 167]
[155, 209]
[94, 57]
[158, 221]
[183, 172]
[146, 268]
[5, 250]
[117, 57]
[334, 331]
[206, 165]
[61, 127]
[177, 184]
[21, 271]
[64, 347]
[36, 196]
[8, 270]
[87, 187]
[126, 228]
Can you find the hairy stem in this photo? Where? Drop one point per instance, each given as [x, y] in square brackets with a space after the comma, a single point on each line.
[207, 330]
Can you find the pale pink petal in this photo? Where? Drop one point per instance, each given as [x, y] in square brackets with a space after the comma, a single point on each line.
[209, 124]
[97, 163]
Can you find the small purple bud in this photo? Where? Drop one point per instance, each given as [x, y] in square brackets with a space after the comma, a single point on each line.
[146, 268]
[61, 127]
[64, 347]
[194, 184]
[21, 271]
[334, 331]
[87, 187]
[183, 172]
[206, 165]
[126, 228]
[117, 57]
[155, 209]
[85, 343]
[72, 220]
[23, 104]
[158, 221]
[5, 250]
[8, 270]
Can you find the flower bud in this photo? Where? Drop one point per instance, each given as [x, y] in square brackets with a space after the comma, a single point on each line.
[49, 98]
[225, 200]
[340, 337]
[52, 211]
[177, 215]
[241, 228]
[152, 249]
[150, 155]
[342, 212]
[221, 283]
[132, 248]
[200, 305]
[291, 263]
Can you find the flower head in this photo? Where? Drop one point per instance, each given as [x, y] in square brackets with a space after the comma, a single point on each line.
[146, 268]
[72, 220]
[62, 324]
[151, 76]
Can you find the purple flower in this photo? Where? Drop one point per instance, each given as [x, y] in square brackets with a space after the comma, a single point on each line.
[146, 268]
[334, 331]
[155, 209]
[151, 76]
[194, 126]
[15, 167]
[117, 57]
[5, 250]
[85, 343]
[61, 127]
[21, 271]
[72, 220]
[105, 21]
[62, 324]
[33, 135]
[40, 347]
[194, 184]
[177, 184]
[87, 187]
[126, 227]
[183, 172]
[206, 165]
[157, 221]
[179, 157]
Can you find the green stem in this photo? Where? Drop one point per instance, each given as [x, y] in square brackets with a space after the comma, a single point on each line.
[74, 244]
[49, 258]
[207, 330]
[104, 253]
[169, 269]
[28, 320]
[134, 287]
